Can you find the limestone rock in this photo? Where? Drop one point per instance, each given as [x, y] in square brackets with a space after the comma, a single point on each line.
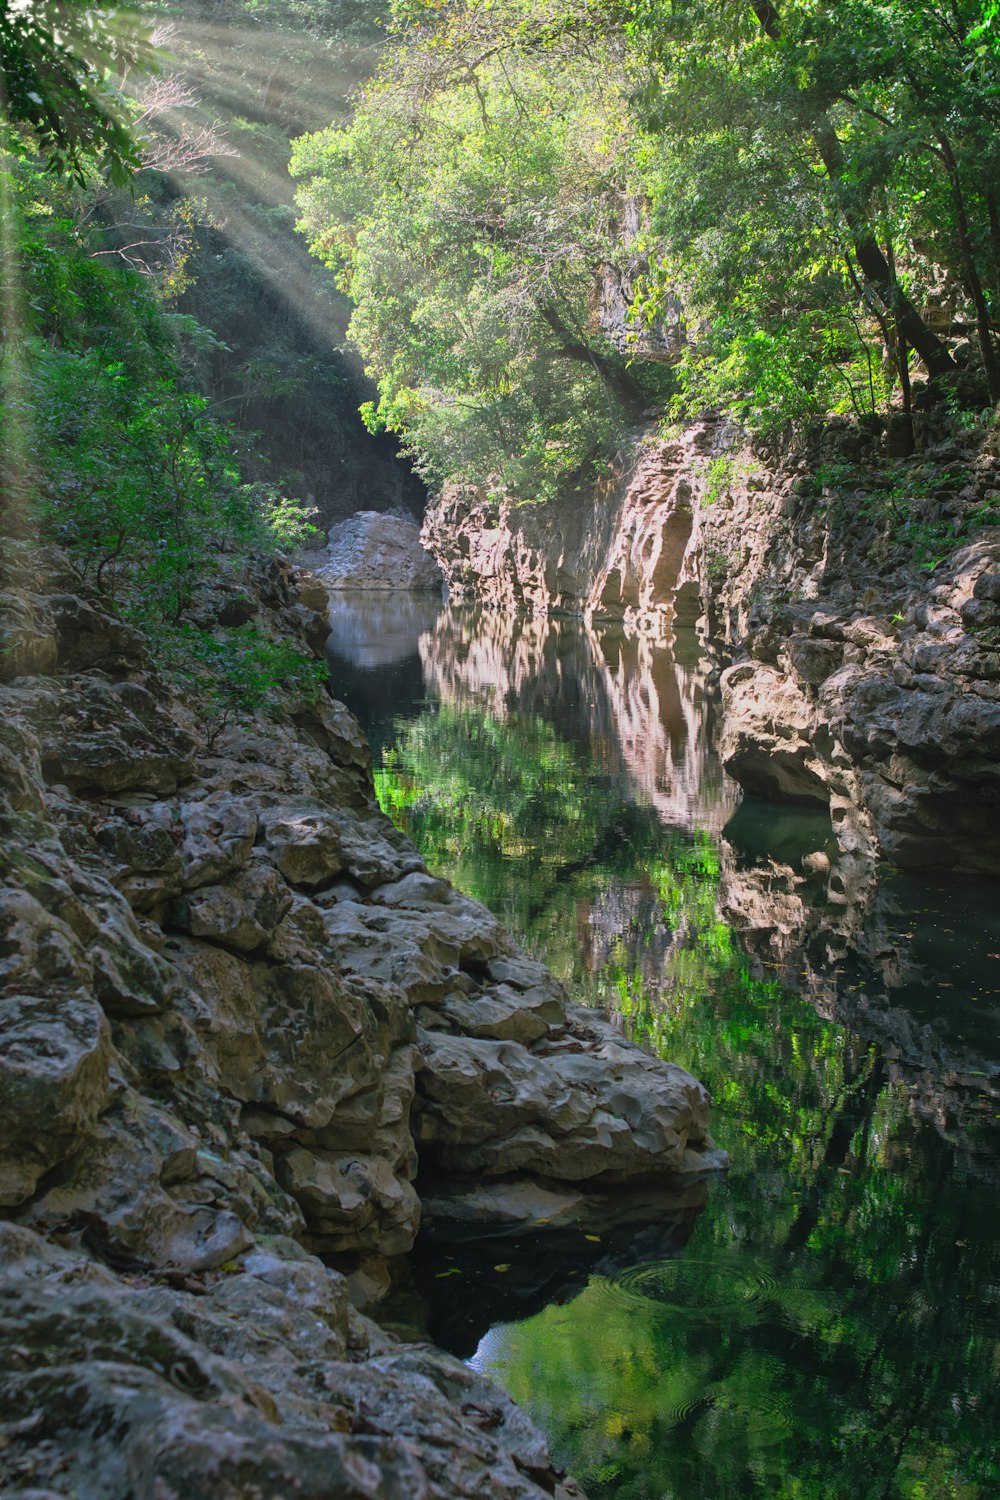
[375, 551]
[504, 1015]
[20, 763]
[243, 1390]
[54, 1062]
[290, 1037]
[592, 1106]
[218, 836]
[28, 641]
[352, 1202]
[143, 850]
[104, 737]
[89, 635]
[242, 914]
[305, 844]
[767, 737]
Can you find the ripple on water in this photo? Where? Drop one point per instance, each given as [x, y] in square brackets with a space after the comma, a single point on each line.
[716, 1290]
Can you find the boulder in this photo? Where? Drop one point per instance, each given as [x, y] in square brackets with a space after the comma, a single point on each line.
[372, 550]
[217, 838]
[591, 1106]
[103, 737]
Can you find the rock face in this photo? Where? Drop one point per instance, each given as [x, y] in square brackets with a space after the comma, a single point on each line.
[237, 1017]
[616, 555]
[371, 550]
[863, 680]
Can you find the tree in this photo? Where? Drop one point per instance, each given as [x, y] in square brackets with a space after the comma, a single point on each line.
[469, 209]
[56, 58]
[881, 121]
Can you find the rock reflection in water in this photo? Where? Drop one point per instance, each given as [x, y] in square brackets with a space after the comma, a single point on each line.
[373, 655]
[641, 706]
[376, 630]
[908, 964]
[463, 1282]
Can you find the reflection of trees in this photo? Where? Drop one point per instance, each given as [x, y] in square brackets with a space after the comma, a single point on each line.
[518, 818]
[827, 1338]
[833, 1327]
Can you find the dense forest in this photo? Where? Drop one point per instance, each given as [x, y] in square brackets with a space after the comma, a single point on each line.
[544, 221]
[552, 217]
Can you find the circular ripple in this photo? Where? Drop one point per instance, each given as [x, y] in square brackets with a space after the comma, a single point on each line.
[716, 1289]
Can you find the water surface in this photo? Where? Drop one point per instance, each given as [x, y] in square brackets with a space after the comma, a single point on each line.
[825, 1319]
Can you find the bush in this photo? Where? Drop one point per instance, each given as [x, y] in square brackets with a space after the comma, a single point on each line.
[231, 676]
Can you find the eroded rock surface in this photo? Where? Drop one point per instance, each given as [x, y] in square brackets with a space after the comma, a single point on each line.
[237, 1018]
[867, 669]
[372, 551]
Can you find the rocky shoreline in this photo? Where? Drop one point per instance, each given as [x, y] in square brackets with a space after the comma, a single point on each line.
[240, 1024]
[858, 624]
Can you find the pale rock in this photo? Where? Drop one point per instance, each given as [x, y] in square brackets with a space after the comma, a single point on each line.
[354, 1202]
[372, 550]
[242, 914]
[504, 1015]
[218, 838]
[768, 732]
[305, 843]
[594, 1107]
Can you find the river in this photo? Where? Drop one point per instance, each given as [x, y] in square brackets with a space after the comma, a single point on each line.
[824, 1319]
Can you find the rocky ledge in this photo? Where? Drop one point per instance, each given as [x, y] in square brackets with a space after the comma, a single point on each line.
[238, 1017]
[373, 551]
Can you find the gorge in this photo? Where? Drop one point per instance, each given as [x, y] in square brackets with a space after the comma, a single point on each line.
[519, 1018]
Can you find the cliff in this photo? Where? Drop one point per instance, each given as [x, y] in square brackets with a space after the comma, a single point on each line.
[237, 1017]
[855, 605]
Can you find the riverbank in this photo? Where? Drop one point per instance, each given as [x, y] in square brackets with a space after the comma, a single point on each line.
[238, 1016]
[855, 603]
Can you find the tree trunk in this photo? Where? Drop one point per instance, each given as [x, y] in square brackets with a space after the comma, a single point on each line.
[973, 284]
[873, 264]
[619, 381]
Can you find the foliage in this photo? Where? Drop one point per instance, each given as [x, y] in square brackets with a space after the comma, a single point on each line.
[468, 209]
[57, 58]
[913, 505]
[813, 167]
[814, 179]
[108, 453]
[233, 674]
[284, 523]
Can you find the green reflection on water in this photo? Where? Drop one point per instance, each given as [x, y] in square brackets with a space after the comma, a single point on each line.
[833, 1327]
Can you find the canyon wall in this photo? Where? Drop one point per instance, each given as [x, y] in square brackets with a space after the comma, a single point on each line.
[855, 607]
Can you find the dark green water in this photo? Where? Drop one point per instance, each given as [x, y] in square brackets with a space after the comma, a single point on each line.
[824, 1320]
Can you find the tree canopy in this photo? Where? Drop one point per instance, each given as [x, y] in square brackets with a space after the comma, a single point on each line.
[813, 179]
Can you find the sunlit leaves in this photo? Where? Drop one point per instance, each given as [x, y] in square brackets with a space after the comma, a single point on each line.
[468, 210]
[59, 61]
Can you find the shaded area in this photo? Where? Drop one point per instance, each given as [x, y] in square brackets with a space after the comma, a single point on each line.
[832, 1325]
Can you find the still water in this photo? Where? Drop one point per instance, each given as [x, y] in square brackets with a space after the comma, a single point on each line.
[823, 1320]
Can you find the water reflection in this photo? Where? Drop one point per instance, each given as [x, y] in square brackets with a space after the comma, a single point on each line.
[377, 630]
[639, 707]
[830, 1324]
